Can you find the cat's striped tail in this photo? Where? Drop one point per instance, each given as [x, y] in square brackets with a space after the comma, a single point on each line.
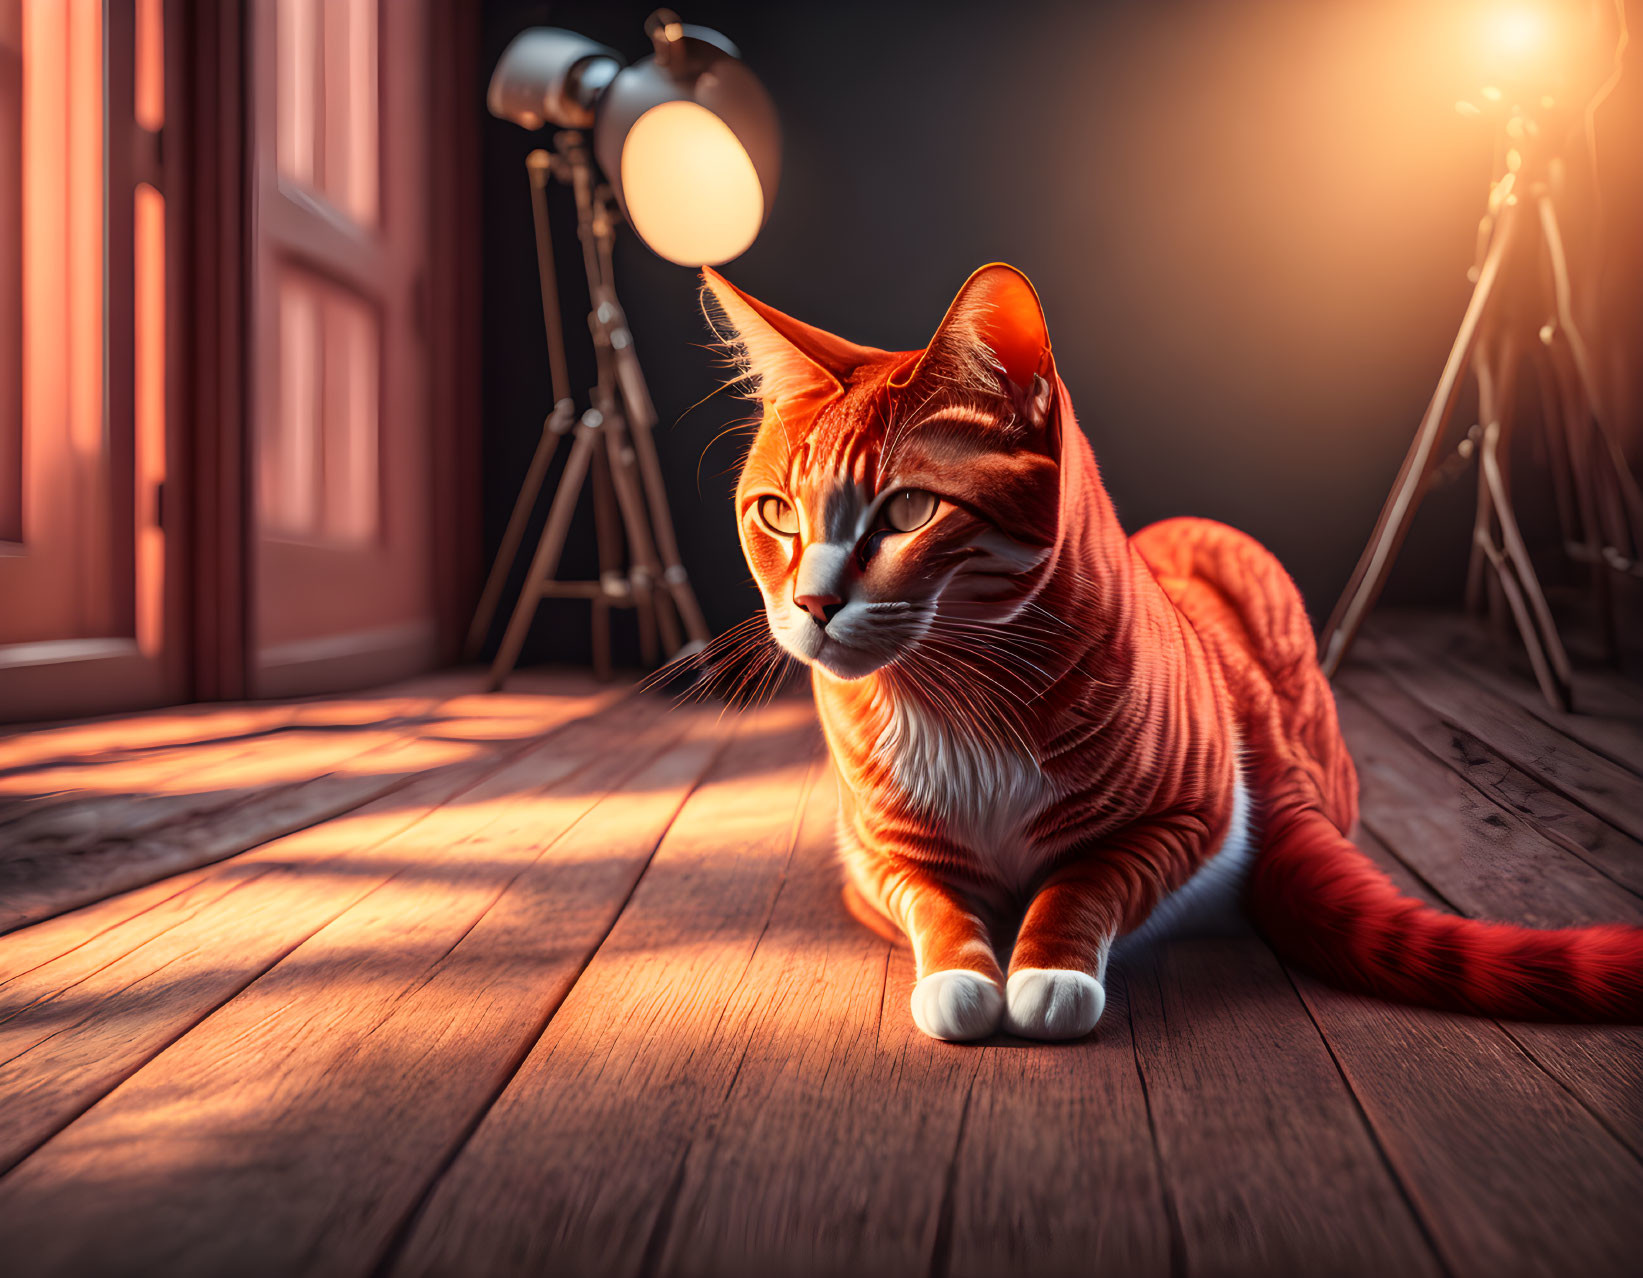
[1325, 905]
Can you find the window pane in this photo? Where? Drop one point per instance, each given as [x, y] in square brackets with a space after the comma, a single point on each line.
[150, 65]
[327, 117]
[318, 476]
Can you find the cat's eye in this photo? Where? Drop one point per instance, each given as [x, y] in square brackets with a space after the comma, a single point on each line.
[909, 509]
[778, 516]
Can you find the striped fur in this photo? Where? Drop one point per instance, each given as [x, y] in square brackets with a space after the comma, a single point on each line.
[1047, 732]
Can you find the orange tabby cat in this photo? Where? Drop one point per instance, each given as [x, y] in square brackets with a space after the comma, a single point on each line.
[1050, 735]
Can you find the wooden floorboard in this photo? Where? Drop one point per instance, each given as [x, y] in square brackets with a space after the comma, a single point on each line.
[1508, 1171]
[1608, 713]
[1270, 1166]
[575, 1168]
[107, 834]
[368, 1052]
[1559, 762]
[851, 1144]
[1459, 837]
[1607, 849]
[1560, 1105]
[73, 1028]
[441, 983]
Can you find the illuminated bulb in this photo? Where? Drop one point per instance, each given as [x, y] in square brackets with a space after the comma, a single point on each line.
[1519, 31]
[690, 187]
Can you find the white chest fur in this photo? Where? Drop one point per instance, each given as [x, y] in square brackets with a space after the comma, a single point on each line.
[986, 793]
[983, 790]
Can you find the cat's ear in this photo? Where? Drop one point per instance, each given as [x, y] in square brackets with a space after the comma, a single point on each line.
[994, 329]
[786, 359]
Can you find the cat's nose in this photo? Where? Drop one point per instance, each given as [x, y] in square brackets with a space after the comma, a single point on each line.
[822, 608]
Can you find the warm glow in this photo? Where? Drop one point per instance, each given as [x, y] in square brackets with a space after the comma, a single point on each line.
[1518, 41]
[690, 188]
[1518, 31]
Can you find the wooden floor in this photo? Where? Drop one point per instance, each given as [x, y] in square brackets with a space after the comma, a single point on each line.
[559, 982]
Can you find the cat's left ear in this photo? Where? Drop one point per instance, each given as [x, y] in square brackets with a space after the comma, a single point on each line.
[995, 338]
[787, 361]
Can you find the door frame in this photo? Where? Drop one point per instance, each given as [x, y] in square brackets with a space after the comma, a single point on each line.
[65, 677]
[220, 383]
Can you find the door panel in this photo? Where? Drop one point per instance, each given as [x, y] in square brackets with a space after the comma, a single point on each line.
[89, 600]
[341, 439]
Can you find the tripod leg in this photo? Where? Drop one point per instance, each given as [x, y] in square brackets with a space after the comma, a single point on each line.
[608, 534]
[1376, 561]
[1522, 586]
[1552, 408]
[661, 518]
[631, 501]
[546, 559]
[1627, 494]
[1475, 564]
[1556, 694]
[514, 534]
[1483, 517]
[641, 584]
[1574, 418]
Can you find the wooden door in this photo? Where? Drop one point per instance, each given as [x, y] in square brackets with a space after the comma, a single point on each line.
[90, 536]
[340, 441]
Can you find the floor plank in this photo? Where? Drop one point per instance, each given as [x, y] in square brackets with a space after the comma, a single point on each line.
[1267, 1160]
[851, 1144]
[74, 1028]
[1510, 1173]
[571, 1168]
[815, 1163]
[1584, 776]
[1608, 713]
[1601, 1065]
[362, 1059]
[1057, 1173]
[497, 1021]
[1610, 851]
[1459, 839]
[287, 779]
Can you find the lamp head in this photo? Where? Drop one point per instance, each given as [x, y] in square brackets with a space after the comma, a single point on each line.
[550, 76]
[687, 137]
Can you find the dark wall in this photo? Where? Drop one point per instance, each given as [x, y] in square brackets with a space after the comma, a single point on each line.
[1249, 224]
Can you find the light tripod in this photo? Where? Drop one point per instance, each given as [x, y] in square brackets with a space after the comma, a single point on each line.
[1521, 307]
[611, 444]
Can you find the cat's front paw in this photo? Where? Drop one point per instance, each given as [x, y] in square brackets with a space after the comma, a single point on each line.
[957, 1005]
[1052, 1003]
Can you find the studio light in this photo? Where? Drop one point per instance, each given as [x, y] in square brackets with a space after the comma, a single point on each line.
[685, 149]
[687, 137]
[1524, 316]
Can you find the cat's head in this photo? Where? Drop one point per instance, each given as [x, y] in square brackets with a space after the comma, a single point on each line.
[890, 499]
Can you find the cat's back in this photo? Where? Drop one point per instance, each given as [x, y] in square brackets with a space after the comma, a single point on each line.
[1252, 621]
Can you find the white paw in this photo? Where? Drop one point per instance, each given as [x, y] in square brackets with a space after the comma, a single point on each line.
[1051, 1003]
[957, 1005]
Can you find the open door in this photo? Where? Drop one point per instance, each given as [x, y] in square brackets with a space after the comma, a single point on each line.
[340, 441]
[90, 537]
